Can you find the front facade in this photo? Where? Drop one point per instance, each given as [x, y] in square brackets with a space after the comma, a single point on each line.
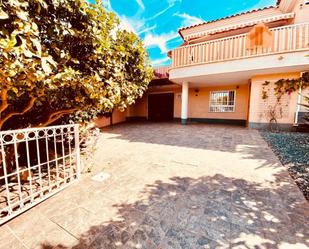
[218, 74]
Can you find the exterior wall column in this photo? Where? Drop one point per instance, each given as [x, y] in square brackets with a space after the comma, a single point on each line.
[184, 102]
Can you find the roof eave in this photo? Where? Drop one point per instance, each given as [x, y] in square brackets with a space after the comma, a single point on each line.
[227, 17]
[179, 32]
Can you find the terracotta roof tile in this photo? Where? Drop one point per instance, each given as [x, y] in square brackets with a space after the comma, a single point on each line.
[223, 18]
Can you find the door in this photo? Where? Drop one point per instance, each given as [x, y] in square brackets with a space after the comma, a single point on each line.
[161, 107]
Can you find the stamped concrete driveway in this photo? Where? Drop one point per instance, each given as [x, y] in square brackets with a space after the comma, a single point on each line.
[172, 186]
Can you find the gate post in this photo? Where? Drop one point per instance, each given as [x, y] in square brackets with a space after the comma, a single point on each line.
[77, 148]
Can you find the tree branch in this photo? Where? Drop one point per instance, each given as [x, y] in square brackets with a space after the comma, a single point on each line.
[56, 115]
[27, 108]
[4, 100]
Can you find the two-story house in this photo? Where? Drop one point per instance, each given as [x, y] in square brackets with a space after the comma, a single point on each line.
[217, 75]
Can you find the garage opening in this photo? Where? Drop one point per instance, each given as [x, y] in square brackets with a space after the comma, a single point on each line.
[161, 107]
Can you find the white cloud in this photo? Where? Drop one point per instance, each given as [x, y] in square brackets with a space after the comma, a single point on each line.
[107, 5]
[140, 4]
[189, 20]
[159, 13]
[160, 41]
[125, 24]
[172, 2]
[161, 61]
[139, 26]
[147, 29]
[133, 24]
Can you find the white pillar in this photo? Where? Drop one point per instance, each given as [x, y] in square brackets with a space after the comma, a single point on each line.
[184, 102]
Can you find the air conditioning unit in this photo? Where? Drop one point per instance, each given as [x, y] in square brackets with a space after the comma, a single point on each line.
[301, 117]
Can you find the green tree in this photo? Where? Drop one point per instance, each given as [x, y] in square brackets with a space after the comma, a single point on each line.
[61, 57]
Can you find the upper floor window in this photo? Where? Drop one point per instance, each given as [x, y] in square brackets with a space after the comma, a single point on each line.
[222, 101]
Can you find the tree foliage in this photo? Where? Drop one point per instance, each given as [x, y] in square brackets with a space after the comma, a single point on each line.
[59, 57]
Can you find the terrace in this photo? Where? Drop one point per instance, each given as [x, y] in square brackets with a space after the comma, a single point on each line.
[171, 186]
[285, 39]
[288, 48]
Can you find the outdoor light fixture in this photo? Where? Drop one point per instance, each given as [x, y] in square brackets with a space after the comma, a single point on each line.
[196, 91]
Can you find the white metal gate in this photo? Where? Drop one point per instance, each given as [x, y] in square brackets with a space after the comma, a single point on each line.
[35, 164]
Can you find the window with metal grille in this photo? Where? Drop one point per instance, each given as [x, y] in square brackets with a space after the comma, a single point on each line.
[222, 101]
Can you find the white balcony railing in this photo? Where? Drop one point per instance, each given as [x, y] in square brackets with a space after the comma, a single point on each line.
[36, 163]
[285, 39]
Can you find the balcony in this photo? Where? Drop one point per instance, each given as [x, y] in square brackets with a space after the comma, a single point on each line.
[286, 39]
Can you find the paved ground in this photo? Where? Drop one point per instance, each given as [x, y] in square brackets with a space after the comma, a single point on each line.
[170, 187]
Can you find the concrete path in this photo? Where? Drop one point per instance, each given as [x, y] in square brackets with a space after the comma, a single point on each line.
[170, 187]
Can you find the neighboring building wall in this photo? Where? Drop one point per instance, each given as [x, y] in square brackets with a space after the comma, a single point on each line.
[288, 5]
[259, 108]
[118, 117]
[199, 103]
[301, 12]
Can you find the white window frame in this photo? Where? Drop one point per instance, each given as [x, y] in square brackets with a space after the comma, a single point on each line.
[211, 105]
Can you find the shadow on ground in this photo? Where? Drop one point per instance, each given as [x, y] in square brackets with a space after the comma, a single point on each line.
[207, 212]
[211, 137]
[198, 136]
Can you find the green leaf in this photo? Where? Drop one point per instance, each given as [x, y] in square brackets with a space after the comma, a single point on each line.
[3, 15]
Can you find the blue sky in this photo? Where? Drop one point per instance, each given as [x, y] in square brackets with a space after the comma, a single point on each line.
[157, 21]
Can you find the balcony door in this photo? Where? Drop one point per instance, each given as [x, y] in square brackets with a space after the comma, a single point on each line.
[161, 107]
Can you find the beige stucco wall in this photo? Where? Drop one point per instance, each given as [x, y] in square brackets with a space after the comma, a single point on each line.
[199, 103]
[301, 12]
[118, 117]
[299, 7]
[259, 108]
[139, 109]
